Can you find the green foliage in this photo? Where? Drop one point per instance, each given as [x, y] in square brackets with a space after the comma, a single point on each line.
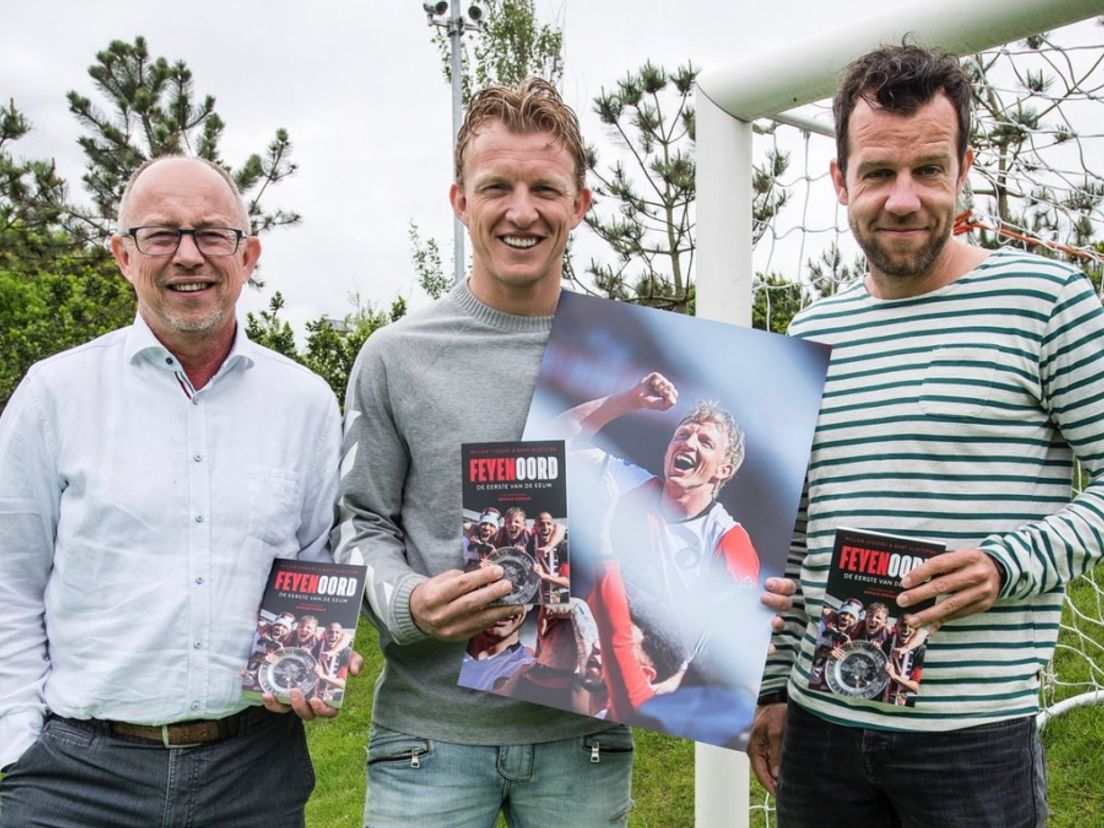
[268, 329]
[153, 110]
[55, 293]
[644, 200]
[777, 301]
[32, 203]
[44, 313]
[643, 208]
[510, 46]
[515, 45]
[426, 257]
[332, 345]
[1015, 126]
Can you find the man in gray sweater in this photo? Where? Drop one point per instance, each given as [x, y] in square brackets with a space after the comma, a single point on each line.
[441, 754]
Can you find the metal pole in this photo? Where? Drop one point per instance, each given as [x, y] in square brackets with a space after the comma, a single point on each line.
[721, 778]
[455, 32]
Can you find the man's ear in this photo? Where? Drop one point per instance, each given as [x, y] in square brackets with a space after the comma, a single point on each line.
[250, 256]
[967, 164]
[839, 181]
[459, 201]
[124, 256]
[580, 206]
[724, 473]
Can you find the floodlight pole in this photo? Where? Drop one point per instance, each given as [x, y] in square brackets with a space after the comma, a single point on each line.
[455, 24]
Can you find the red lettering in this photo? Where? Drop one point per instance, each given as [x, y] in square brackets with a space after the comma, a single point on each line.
[882, 567]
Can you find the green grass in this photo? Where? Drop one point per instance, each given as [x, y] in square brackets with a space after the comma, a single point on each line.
[663, 776]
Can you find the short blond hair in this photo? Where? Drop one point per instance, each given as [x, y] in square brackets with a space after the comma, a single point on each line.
[534, 105]
[707, 411]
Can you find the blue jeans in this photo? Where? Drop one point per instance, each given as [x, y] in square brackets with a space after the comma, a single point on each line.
[79, 775]
[583, 781]
[991, 776]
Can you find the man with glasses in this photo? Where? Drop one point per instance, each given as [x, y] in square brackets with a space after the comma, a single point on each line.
[149, 479]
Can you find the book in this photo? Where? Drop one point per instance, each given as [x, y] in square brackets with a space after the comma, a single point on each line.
[515, 516]
[864, 648]
[305, 630]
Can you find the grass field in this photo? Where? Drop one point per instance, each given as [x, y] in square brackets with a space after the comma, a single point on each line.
[663, 779]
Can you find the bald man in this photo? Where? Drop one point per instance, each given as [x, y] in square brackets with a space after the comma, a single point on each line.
[150, 477]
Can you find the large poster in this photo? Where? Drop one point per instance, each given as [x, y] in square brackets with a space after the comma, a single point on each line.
[687, 442]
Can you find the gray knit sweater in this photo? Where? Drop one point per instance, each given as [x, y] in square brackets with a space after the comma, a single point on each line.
[455, 372]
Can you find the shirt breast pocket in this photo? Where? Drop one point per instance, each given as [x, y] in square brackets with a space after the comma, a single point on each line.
[958, 381]
[275, 505]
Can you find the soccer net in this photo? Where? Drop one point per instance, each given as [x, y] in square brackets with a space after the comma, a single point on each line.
[1037, 184]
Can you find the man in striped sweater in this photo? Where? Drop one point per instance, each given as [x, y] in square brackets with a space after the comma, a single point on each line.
[963, 383]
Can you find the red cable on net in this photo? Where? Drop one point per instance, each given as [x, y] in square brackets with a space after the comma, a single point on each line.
[965, 222]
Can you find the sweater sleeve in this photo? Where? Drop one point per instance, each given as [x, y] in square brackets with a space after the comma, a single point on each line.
[1043, 555]
[787, 641]
[375, 461]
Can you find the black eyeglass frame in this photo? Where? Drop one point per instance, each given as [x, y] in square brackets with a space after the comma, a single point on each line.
[181, 232]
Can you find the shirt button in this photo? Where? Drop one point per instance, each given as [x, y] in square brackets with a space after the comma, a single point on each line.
[199, 518]
[199, 579]
[198, 645]
[197, 457]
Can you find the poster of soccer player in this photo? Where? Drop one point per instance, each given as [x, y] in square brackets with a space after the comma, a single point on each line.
[687, 442]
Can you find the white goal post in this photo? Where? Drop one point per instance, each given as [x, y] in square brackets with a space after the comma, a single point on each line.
[767, 86]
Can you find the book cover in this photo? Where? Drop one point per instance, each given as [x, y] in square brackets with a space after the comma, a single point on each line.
[515, 515]
[686, 456]
[864, 649]
[305, 629]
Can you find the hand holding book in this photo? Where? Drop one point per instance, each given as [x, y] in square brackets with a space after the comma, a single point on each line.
[969, 580]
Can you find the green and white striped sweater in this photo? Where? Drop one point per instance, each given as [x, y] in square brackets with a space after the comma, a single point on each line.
[955, 416]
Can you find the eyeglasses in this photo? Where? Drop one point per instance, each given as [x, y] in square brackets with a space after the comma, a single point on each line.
[154, 240]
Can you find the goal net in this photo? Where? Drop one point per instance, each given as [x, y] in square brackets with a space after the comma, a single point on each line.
[1037, 185]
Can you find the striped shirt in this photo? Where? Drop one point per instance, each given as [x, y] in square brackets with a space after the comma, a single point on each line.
[955, 416]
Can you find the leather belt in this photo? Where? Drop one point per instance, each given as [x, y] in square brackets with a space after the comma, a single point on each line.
[187, 734]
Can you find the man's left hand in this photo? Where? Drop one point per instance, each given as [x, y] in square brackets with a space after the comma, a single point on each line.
[779, 597]
[307, 709]
[969, 580]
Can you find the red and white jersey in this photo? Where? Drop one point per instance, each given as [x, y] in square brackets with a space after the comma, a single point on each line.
[671, 559]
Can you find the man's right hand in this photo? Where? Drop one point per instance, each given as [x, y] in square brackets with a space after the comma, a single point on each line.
[654, 392]
[765, 745]
[452, 606]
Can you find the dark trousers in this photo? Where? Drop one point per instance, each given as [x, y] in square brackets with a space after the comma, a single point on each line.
[79, 775]
[992, 776]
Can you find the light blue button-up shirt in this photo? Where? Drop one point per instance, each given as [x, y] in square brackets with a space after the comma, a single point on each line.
[138, 521]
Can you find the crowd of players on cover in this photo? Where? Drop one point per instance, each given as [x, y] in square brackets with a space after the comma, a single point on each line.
[902, 645]
[545, 542]
[330, 647]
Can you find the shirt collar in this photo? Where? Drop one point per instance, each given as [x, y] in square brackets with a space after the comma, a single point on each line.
[142, 344]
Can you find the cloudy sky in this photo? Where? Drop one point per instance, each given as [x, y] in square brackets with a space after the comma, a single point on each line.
[359, 88]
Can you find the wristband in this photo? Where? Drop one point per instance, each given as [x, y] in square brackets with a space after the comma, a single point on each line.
[774, 697]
